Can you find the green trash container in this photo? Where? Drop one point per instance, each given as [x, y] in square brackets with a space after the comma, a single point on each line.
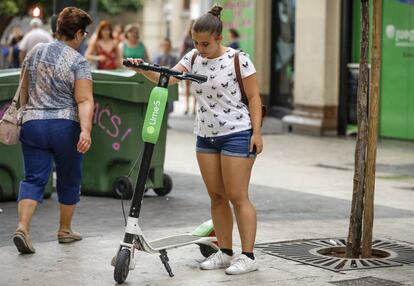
[121, 99]
[11, 158]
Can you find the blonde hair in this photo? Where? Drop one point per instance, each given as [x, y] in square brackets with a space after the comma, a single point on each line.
[131, 28]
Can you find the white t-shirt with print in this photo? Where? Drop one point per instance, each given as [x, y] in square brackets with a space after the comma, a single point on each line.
[220, 108]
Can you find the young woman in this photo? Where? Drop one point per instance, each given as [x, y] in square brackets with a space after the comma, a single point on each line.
[228, 138]
[118, 33]
[104, 49]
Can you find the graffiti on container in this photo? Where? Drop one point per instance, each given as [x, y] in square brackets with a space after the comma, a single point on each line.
[111, 124]
[3, 109]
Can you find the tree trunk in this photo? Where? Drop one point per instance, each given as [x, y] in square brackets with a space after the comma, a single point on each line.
[372, 131]
[355, 226]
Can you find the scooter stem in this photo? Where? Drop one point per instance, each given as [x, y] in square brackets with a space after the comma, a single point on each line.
[150, 132]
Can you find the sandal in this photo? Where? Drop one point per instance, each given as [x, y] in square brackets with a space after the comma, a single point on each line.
[68, 236]
[23, 242]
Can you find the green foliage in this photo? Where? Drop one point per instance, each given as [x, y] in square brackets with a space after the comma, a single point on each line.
[22, 7]
[8, 7]
[115, 7]
[112, 6]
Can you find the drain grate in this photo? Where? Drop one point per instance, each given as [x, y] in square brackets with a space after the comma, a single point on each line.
[367, 281]
[309, 252]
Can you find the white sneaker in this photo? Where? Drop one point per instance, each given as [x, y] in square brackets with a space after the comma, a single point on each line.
[217, 260]
[241, 265]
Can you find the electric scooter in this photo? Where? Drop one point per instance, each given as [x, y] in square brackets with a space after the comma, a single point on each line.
[134, 238]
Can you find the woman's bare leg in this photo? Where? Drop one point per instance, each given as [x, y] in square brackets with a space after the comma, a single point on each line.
[236, 173]
[66, 215]
[210, 168]
[26, 209]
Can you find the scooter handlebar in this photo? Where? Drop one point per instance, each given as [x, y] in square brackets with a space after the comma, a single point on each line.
[196, 77]
[160, 69]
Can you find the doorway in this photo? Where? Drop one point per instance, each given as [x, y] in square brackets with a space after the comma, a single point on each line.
[282, 57]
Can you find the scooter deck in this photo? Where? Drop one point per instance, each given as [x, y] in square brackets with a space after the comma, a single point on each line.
[174, 241]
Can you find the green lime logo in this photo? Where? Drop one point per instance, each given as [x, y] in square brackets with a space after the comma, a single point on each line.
[402, 37]
[150, 130]
[390, 31]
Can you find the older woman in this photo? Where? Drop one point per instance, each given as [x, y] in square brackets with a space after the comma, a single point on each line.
[57, 123]
[132, 47]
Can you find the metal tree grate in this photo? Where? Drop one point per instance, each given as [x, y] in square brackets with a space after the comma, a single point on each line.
[367, 281]
[309, 252]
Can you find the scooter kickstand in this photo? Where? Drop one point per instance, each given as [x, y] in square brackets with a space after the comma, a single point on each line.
[164, 260]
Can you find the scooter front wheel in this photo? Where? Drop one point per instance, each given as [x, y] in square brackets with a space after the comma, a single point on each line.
[122, 265]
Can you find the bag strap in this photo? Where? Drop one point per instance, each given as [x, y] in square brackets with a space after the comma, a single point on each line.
[193, 58]
[239, 77]
[17, 94]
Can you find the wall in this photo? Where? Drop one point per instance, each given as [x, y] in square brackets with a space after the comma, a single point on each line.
[316, 67]
[262, 46]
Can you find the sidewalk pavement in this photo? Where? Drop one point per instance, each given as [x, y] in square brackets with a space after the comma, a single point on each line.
[301, 187]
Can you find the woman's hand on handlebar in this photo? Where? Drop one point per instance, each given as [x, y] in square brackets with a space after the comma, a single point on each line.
[136, 61]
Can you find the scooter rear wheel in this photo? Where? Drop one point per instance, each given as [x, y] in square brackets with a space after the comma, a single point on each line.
[122, 265]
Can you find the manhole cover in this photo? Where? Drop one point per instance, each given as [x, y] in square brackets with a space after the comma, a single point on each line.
[367, 281]
[311, 252]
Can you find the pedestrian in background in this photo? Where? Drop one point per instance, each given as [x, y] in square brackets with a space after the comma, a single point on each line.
[187, 46]
[228, 137]
[57, 123]
[13, 58]
[118, 33]
[103, 49]
[132, 47]
[169, 60]
[234, 39]
[35, 36]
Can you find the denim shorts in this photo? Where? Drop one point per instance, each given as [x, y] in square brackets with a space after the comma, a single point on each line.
[235, 144]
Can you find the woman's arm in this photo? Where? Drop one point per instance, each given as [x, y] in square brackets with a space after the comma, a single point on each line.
[91, 51]
[84, 100]
[251, 88]
[121, 52]
[154, 76]
[118, 58]
[10, 56]
[146, 56]
[24, 90]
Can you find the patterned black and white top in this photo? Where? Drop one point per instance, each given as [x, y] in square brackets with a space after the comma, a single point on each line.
[220, 109]
[53, 69]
